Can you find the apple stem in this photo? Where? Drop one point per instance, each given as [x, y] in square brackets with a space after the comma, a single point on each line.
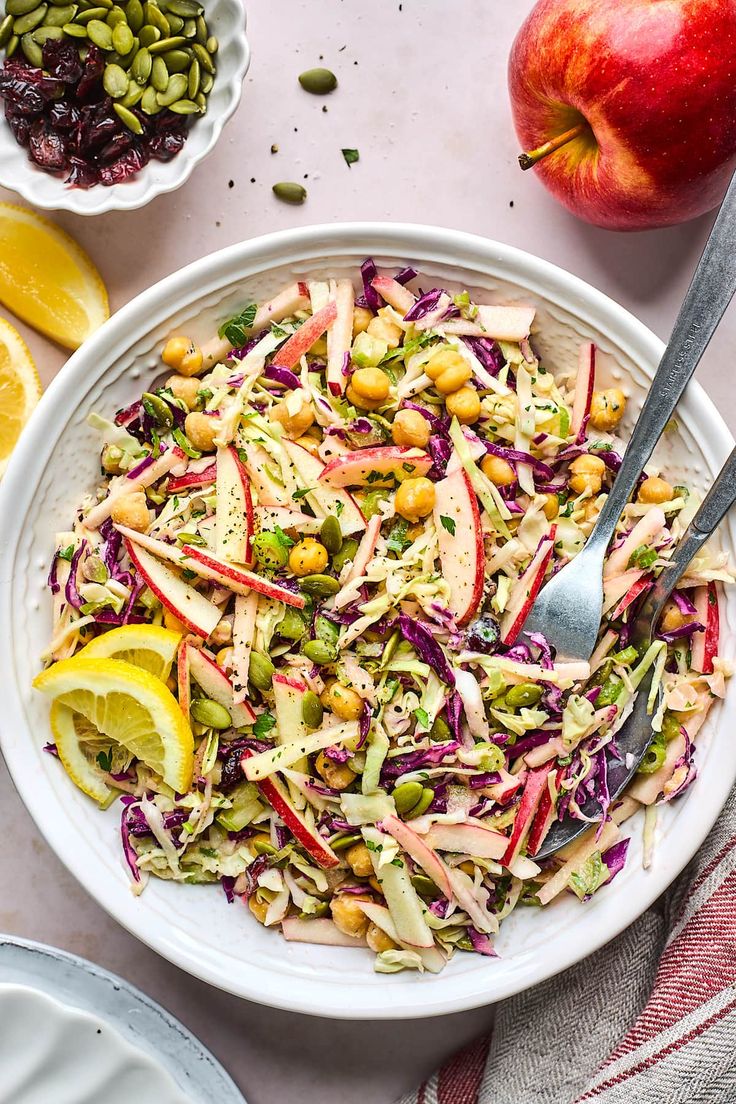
[529, 159]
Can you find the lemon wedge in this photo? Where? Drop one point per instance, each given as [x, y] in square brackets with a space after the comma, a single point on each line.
[47, 279]
[131, 707]
[148, 646]
[20, 388]
[74, 737]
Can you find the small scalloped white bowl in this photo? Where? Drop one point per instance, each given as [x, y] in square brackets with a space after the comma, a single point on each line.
[227, 20]
[56, 461]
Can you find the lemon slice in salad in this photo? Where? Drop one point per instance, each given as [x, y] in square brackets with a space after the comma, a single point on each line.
[47, 279]
[20, 388]
[131, 707]
[75, 740]
[148, 646]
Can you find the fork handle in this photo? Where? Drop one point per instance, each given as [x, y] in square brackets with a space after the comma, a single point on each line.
[710, 292]
[716, 504]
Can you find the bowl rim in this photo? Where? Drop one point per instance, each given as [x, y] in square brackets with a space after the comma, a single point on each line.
[153, 308]
[114, 198]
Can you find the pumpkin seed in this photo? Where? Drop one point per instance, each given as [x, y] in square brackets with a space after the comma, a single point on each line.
[122, 39]
[187, 9]
[210, 713]
[312, 710]
[171, 43]
[344, 842]
[134, 95]
[6, 31]
[127, 60]
[184, 107]
[189, 28]
[440, 730]
[316, 651]
[149, 103]
[175, 22]
[194, 79]
[116, 18]
[406, 796]
[202, 31]
[74, 30]
[175, 89]
[206, 82]
[64, 3]
[177, 60]
[349, 546]
[260, 671]
[288, 192]
[32, 50]
[153, 15]
[318, 81]
[201, 101]
[424, 886]
[330, 534]
[320, 586]
[115, 82]
[526, 694]
[99, 33]
[148, 35]
[212, 45]
[106, 4]
[140, 70]
[20, 7]
[85, 17]
[327, 630]
[291, 626]
[422, 805]
[200, 52]
[159, 74]
[12, 46]
[263, 847]
[57, 17]
[45, 34]
[127, 118]
[134, 13]
[30, 21]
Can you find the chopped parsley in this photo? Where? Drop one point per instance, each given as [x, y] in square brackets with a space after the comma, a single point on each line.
[235, 329]
[66, 553]
[263, 725]
[448, 523]
[351, 156]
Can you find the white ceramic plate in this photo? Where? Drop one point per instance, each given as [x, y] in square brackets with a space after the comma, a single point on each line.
[57, 458]
[73, 1033]
[226, 19]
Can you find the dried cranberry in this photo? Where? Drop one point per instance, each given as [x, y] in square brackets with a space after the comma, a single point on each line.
[164, 147]
[61, 59]
[90, 85]
[25, 99]
[97, 125]
[117, 146]
[48, 149]
[64, 115]
[125, 167]
[20, 125]
[82, 174]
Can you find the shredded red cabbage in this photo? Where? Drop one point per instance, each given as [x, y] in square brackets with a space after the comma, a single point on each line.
[141, 467]
[424, 305]
[128, 850]
[371, 299]
[615, 858]
[73, 597]
[426, 647]
[488, 352]
[681, 632]
[228, 885]
[516, 456]
[281, 375]
[415, 760]
[404, 275]
[481, 943]
[682, 602]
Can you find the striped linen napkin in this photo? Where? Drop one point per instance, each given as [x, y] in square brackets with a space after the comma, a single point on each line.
[648, 1019]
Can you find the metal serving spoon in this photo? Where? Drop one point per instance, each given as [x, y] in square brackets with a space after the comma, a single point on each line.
[568, 608]
[635, 735]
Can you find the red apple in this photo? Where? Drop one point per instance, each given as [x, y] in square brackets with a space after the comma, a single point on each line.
[234, 519]
[526, 589]
[584, 384]
[193, 478]
[324, 499]
[192, 608]
[293, 298]
[628, 107]
[310, 331]
[362, 467]
[182, 679]
[257, 462]
[705, 644]
[534, 787]
[545, 814]
[457, 521]
[421, 853]
[506, 323]
[467, 839]
[216, 685]
[395, 294]
[340, 336]
[237, 579]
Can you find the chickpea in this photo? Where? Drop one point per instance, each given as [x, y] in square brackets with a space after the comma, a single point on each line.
[110, 460]
[551, 507]
[386, 330]
[415, 498]
[362, 319]
[498, 470]
[348, 916]
[258, 908]
[201, 429]
[587, 474]
[655, 489]
[464, 405]
[319, 349]
[181, 354]
[410, 428]
[377, 939]
[341, 700]
[308, 557]
[296, 423]
[673, 617]
[359, 860]
[371, 384]
[311, 444]
[467, 868]
[449, 370]
[171, 621]
[607, 408]
[375, 884]
[224, 657]
[222, 632]
[131, 510]
[337, 775]
[185, 388]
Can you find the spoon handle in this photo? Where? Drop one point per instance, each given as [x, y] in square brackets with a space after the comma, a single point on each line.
[710, 292]
[716, 504]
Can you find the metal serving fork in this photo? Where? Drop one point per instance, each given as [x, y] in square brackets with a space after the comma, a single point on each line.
[635, 735]
[568, 608]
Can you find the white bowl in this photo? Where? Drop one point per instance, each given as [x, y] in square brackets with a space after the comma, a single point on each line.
[226, 19]
[57, 459]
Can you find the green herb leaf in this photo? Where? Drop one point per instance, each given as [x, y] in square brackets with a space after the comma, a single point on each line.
[284, 540]
[235, 329]
[422, 717]
[104, 760]
[66, 553]
[448, 523]
[302, 493]
[263, 725]
[351, 156]
[590, 877]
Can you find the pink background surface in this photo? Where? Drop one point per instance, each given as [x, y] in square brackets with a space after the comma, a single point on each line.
[422, 95]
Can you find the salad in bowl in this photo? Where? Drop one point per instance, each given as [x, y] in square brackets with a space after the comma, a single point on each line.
[288, 635]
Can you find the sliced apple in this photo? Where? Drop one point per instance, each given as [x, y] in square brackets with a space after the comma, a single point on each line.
[340, 336]
[526, 589]
[125, 485]
[269, 517]
[276, 794]
[234, 517]
[244, 625]
[193, 478]
[216, 685]
[288, 695]
[401, 897]
[257, 463]
[705, 644]
[534, 787]
[637, 582]
[320, 930]
[395, 294]
[420, 851]
[506, 323]
[361, 467]
[645, 532]
[323, 499]
[366, 550]
[291, 752]
[460, 536]
[467, 839]
[182, 679]
[194, 610]
[302, 341]
[545, 815]
[293, 298]
[584, 384]
[432, 958]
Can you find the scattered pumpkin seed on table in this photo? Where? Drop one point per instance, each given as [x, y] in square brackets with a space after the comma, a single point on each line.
[289, 192]
[319, 82]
